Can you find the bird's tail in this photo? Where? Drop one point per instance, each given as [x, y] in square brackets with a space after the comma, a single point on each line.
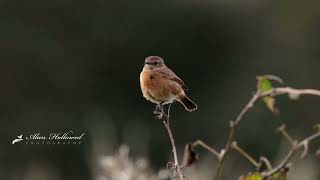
[188, 104]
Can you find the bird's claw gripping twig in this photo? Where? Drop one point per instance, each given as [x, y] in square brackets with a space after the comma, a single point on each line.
[159, 116]
[159, 111]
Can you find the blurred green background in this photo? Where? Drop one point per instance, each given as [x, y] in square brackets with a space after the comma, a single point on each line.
[75, 65]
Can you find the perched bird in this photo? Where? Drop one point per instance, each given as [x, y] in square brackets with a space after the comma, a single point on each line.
[161, 85]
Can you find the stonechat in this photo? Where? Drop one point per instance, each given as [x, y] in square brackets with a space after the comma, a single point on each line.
[161, 85]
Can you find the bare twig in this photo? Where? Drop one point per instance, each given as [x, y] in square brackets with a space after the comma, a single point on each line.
[266, 162]
[207, 147]
[245, 110]
[305, 144]
[174, 151]
[308, 139]
[289, 90]
[273, 78]
[282, 130]
[176, 166]
[282, 164]
[189, 156]
[235, 146]
[233, 126]
[295, 146]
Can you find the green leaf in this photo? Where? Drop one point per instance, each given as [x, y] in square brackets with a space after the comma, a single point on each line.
[265, 85]
[281, 175]
[271, 104]
[317, 127]
[254, 176]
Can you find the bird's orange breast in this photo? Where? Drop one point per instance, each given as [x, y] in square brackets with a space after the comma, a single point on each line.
[158, 88]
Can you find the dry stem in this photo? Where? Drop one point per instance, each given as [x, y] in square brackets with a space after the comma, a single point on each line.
[176, 167]
[235, 146]
[295, 146]
[233, 126]
[244, 111]
[207, 147]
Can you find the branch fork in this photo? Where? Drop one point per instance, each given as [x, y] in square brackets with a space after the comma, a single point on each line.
[231, 144]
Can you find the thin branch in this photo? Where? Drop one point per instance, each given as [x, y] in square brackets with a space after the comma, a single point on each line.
[189, 156]
[207, 147]
[245, 110]
[282, 164]
[305, 149]
[289, 90]
[274, 78]
[235, 146]
[305, 144]
[225, 151]
[295, 146]
[233, 126]
[174, 151]
[266, 162]
[166, 123]
[285, 134]
[310, 138]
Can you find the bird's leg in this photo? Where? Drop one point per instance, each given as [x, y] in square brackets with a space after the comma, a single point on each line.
[168, 112]
[159, 111]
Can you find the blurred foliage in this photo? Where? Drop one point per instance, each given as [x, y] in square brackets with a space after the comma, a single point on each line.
[258, 176]
[317, 127]
[254, 176]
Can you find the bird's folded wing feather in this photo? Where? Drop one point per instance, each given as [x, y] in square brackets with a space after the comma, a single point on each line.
[172, 76]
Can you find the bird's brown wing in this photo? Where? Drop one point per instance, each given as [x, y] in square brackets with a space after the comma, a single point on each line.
[172, 76]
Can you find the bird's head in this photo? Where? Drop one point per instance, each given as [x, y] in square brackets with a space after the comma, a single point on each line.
[153, 62]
